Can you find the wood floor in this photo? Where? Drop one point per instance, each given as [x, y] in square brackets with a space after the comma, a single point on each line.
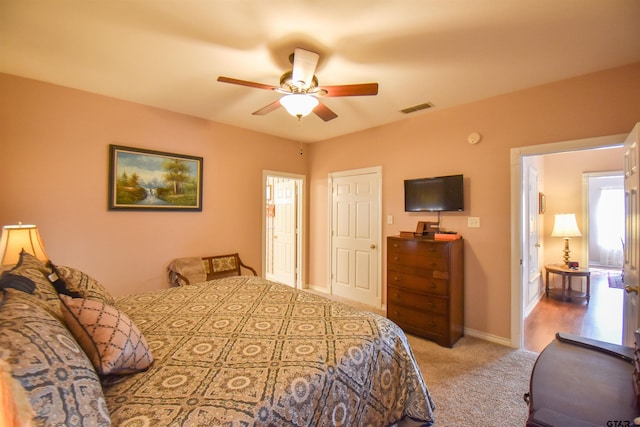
[600, 319]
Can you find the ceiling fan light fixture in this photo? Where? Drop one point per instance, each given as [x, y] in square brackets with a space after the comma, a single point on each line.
[298, 104]
[299, 88]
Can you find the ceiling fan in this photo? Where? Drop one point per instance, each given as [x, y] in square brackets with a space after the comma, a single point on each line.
[301, 89]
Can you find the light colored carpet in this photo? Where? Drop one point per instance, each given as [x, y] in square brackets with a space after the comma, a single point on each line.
[476, 383]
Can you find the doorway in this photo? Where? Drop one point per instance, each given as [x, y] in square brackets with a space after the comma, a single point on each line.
[519, 205]
[283, 228]
[602, 205]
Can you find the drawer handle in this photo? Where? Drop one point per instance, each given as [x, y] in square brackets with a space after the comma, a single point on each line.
[396, 279]
[433, 324]
[395, 258]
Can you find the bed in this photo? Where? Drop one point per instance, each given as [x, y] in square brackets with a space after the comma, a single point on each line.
[243, 351]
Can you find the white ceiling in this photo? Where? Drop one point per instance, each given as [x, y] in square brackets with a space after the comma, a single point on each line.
[169, 53]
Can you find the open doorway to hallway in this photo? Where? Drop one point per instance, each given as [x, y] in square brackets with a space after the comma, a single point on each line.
[556, 197]
[600, 250]
[283, 228]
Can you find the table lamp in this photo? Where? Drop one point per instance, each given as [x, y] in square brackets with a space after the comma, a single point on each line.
[15, 238]
[565, 226]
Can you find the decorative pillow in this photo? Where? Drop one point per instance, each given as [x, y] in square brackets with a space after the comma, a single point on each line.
[84, 285]
[20, 283]
[108, 336]
[36, 271]
[60, 382]
[58, 282]
[29, 261]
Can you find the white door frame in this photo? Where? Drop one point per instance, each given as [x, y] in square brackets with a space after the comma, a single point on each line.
[517, 229]
[302, 227]
[377, 170]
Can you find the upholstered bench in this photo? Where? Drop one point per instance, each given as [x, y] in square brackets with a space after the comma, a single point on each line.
[185, 271]
[582, 382]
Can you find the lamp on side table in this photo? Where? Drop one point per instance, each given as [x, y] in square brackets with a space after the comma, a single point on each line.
[565, 226]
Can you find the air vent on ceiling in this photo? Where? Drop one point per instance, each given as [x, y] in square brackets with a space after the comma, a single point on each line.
[417, 108]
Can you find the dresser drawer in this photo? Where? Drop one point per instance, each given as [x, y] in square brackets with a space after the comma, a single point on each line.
[425, 284]
[422, 320]
[428, 248]
[438, 263]
[401, 297]
[439, 272]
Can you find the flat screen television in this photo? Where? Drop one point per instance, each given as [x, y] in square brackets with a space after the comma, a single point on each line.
[437, 194]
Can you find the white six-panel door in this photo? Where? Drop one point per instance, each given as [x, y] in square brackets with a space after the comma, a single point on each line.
[355, 235]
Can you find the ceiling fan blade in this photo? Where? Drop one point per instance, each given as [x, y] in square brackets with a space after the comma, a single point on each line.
[324, 112]
[267, 109]
[245, 83]
[304, 65]
[361, 89]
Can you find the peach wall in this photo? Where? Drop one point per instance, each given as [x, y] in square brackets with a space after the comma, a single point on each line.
[55, 168]
[54, 173]
[563, 175]
[434, 143]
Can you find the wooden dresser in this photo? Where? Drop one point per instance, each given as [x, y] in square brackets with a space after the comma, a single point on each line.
[425, 287]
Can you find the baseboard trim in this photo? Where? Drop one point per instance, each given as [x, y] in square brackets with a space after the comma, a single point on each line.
[488, 337]
[529, 308]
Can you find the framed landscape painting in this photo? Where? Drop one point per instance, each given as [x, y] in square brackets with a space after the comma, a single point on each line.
[153, 180]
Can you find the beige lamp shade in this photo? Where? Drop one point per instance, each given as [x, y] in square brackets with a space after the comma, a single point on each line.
[565, 226]
[15, 238]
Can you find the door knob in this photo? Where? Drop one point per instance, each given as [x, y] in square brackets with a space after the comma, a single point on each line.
[630, 289]
[372, 246]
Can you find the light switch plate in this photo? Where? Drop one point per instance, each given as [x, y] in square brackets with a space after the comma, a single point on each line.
[473, 222]
[389, 219]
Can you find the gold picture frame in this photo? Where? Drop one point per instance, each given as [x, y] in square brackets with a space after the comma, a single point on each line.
[145, 180]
